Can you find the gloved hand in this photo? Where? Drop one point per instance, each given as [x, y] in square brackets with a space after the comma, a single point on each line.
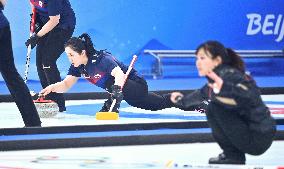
[116, 93]
[106, 105]
[33, 40]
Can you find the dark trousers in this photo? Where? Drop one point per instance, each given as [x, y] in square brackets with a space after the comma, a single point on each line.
[48, 50]
[14, 81]
[136, 94]
[234, 136]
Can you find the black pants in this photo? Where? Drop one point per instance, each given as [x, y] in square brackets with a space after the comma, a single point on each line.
[234, 136]
[48, 50]
[136, 94]
[14, 81]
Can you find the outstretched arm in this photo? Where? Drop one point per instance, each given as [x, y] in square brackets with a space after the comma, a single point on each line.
[60, 87]
[191, 101]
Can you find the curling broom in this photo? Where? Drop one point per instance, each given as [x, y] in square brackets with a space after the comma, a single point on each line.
[32, 30]
[110, 115]
[28, 58]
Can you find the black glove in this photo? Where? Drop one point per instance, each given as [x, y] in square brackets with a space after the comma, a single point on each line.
[116, 93]
[33, 40]
[106, 105]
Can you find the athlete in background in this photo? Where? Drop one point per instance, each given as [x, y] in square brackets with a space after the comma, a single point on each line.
[55, 20]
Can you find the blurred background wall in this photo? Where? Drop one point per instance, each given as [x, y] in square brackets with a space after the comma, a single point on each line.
[125, 27]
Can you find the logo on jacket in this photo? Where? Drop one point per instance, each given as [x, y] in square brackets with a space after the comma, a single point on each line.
[40, 4]
[97, 76]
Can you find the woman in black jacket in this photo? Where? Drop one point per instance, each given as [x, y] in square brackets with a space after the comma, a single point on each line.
[240, 121]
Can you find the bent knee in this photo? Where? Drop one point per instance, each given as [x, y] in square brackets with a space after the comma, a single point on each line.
[257, 152]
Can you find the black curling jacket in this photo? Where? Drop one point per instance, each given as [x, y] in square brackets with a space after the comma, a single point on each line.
[239, 94]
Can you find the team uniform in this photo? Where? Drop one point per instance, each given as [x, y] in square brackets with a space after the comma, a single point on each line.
[135, 91]
[14, 81]
[51, 46]
[240, 121]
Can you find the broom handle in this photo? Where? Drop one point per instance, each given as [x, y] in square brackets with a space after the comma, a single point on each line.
[32, 29]
[126, 76]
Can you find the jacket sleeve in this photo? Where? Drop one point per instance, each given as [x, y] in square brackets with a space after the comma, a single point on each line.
[237, 91]
[195, 100]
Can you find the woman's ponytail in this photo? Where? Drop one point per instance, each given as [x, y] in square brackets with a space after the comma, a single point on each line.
[88, 44]
[84, 42]
[235, 60]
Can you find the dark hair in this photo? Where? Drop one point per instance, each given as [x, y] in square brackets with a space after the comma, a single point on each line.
[83, 42]
[228, 55]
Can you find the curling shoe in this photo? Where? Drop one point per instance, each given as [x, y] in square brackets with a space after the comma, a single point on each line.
[222, 159]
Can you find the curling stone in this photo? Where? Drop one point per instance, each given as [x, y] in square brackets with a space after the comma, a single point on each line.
[46, 108]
